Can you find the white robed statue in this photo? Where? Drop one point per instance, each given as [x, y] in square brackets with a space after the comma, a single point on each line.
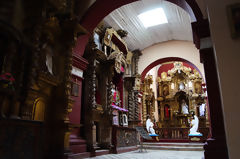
[193, 130]
[184, 107]
[149, 127]
[202, 109]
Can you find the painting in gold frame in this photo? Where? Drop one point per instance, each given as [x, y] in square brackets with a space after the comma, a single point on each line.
[75, 89]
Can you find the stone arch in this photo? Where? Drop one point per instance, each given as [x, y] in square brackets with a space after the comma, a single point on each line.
[201, 30]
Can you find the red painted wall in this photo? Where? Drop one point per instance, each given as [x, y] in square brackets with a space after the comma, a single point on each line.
[169, 66]
[81, 44]
[164, 60]
[165, 68]
[75, 115]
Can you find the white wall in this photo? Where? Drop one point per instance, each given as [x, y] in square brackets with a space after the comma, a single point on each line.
[228, 59]
[181, 49]
[154, 73]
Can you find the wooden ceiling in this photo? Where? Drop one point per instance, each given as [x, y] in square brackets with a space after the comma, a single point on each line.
[139, 37]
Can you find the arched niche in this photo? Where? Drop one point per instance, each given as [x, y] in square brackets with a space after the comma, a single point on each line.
[39, 107]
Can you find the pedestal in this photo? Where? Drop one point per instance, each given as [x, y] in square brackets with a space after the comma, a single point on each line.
[196, 138]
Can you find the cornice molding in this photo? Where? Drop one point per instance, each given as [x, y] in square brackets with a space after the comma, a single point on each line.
[79, 62]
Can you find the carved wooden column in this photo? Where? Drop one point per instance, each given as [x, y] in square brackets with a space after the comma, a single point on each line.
[144, 105]
[89, 96]
[132, 87]
[109, 97]
[136, 111]
[216, 146]
[130, 106]
[162, 111]
[137, 83]
[136, 56]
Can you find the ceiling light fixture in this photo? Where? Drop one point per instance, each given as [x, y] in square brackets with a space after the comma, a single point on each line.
[153, 17]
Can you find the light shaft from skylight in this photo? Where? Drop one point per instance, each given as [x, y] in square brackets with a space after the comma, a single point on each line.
[153, 17]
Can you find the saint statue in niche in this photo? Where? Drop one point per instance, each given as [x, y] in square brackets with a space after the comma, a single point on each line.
[184, 107]
[202, 109]
[49, 62]
[181, 86]
[47, 57]
[166, 111]
[116, 97]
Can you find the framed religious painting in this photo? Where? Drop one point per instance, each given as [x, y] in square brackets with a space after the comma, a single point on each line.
[233, 13]
[165, 90]
[198, 87]
[75, 89]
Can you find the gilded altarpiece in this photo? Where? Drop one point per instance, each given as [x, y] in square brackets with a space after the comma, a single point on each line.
[105, 109]
[35, 70]
[148, 99]
[180, 95]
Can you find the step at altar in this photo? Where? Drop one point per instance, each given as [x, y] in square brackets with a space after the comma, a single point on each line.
[79, 155]
[173, 146]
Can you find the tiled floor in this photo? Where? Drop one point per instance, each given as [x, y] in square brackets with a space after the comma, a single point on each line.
[155, 154]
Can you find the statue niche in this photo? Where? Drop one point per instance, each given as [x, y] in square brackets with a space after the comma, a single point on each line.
[167, 111]
[179, 95]
[184, 107]
[183, 102]
[47, 60]
[38, 110]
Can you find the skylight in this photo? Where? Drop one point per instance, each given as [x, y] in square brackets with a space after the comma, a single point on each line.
[153, 17]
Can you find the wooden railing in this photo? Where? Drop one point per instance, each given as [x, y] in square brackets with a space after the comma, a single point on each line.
[172, 133]
[178, 133]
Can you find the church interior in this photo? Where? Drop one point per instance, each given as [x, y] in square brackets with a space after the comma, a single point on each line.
[78, 78]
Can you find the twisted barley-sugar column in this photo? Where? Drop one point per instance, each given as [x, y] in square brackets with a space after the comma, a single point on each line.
[144, 108]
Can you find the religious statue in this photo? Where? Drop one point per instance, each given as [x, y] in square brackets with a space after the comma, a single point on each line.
[184, 107]
[194, 128]
[202, 109]
[149, 126]
[46, 59]
[49, 60]
[181, 86]
[116, 97]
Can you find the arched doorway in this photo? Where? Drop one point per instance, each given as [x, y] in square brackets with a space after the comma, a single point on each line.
[178, 96]
[164, 60]
[200, 23]
[31, 31]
